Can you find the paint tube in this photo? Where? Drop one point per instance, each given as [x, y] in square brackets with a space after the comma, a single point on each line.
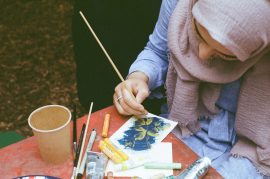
[196, 170]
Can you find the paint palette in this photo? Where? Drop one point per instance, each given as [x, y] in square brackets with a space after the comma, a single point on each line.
[36, 177]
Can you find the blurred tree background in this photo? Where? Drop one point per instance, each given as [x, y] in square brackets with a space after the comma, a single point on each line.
[37, 64]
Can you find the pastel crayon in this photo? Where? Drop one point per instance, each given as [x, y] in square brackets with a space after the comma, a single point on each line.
[128, 165]
[115, 157]
[161, 165]
[106, 124]
[116, 149]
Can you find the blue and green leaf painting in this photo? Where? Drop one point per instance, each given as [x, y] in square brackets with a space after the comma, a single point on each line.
[143, 133]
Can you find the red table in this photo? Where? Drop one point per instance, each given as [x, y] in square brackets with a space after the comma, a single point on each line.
[23, 158]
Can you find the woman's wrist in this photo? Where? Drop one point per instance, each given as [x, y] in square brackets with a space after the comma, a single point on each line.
[138, 75]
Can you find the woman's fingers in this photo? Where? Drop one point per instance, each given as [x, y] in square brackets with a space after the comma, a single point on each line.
[129, 95]
[130, 103]
[118, 106]
[123, 107]
[142, 95]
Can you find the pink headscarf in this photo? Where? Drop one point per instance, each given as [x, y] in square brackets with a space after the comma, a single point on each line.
[243, 27]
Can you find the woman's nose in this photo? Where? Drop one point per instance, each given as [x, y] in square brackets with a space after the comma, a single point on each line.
[205, 51]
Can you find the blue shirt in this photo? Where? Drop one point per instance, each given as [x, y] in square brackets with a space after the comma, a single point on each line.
[153, 60]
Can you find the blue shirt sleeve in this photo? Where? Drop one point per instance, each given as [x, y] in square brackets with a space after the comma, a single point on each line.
[153, 60]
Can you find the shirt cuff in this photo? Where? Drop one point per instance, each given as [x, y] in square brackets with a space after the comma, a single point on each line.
[150, 70]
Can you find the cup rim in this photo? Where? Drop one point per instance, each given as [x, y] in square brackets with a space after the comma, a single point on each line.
[52, 130]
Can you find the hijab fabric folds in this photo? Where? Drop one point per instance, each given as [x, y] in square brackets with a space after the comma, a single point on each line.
[193, 87]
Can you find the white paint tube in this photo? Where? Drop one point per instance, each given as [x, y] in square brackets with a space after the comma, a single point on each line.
[196, 170]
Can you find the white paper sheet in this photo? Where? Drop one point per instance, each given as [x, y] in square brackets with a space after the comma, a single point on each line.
[160, 152]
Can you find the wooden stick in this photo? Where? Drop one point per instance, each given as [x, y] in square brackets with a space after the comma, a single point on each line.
[84, 138]
[103, 49]
[109, 58]
[107, 55]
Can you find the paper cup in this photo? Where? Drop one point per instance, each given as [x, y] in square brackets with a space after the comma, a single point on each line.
[51, 126]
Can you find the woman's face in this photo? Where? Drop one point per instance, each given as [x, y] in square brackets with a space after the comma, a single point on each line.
[208, 47]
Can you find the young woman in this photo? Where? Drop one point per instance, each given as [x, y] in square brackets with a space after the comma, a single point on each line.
[215, 58]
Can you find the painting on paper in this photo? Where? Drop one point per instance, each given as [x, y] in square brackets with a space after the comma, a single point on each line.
[139, 134]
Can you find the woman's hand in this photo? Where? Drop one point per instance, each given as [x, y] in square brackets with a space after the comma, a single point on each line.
[124, 101]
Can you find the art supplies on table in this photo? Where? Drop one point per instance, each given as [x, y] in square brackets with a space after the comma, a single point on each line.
[76, 171]
[89, 147]
[74, 119]
[135, 164]
[78, 151]
[36, 177]
[140, 140]
[95, 165]
[116, 149]
[162, 165]
[130, 164]
[106, 124]
[112, 154]
[80, 144]
[196, 170]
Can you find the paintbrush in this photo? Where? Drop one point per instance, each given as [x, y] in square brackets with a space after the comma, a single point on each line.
[84, 138]
[108, 57]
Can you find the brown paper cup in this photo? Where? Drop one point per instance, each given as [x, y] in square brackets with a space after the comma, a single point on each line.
[51, 126]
